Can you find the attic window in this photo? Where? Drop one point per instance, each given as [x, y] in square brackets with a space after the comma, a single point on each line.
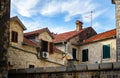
[14, 36]
[47, 46]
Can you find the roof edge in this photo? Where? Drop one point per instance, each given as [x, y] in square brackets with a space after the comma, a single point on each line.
[20, 22]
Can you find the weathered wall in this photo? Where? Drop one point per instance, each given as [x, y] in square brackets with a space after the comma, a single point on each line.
[117, 3]
[104, 70]
[4, 36]
[95, 51]
[22, 58]
[15, 26]
[45, 36]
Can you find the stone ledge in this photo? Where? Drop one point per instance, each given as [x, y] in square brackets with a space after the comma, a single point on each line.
[116, 65]
[40, 69]
[105, 66]
[50, 69]
[93, 66]
[30, 70]
[60, 69]
[81, 67]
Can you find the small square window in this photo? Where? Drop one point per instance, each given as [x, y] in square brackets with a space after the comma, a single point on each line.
[31, 66]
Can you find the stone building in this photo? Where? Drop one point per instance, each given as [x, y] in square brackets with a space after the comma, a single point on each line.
[31, 49]
[117, 9]
[100, 48]
[68, 41]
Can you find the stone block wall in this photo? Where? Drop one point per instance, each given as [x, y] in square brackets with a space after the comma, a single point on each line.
[103, 70]
[4, 36]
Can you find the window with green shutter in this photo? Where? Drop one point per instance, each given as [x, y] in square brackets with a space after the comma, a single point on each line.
[74, 53]
[106, 51]
[84, 55]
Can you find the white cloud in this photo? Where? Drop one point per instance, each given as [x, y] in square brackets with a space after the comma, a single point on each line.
[59, 29]
[50, 8]
[24, 7]
[70, 7]
[32, 25]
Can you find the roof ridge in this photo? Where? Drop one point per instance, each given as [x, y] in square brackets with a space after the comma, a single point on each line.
[72, 31]
[36, 30]
[102, 35]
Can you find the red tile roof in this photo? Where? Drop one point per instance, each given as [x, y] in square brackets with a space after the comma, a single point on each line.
[29, 42]
[101, 36]
[35, 32]
[67, 35]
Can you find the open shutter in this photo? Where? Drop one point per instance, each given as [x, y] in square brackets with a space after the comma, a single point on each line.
[51, 47]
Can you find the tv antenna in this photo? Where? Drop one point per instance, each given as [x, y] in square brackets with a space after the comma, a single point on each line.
[91, 17]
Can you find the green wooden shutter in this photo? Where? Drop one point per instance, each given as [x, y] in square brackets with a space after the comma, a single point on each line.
[106, 51]
[74, 53]
[85, 55]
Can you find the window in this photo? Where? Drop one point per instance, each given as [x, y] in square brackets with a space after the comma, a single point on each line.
[106, 51]
[74, 53]
[31, 66]
[44, 45]
[14, 36]
[47, 46]
[84, 55]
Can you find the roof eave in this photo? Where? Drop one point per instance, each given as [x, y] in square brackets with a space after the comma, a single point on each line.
[17, 19]
[111, 37]
[113, 1]
[24, 43]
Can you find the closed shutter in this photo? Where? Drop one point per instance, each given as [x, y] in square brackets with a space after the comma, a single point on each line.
[74, 53]
[85, 55]
[106, 51]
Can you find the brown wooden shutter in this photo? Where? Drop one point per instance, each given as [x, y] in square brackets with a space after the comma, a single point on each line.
[51, 47]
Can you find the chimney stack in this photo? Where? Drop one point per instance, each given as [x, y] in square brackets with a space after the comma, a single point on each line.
[78, 25]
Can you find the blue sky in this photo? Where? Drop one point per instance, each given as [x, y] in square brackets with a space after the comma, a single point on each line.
[60, 15]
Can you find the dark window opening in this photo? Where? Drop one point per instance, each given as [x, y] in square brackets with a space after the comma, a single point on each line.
[31, 66]
[74, 53]
[14, 36]
[44, 45]
[85, 55]
[106, 51]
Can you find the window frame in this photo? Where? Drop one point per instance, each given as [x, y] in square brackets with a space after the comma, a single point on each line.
[85, 55]
[14, 36]
[74, 53]
[106, 51]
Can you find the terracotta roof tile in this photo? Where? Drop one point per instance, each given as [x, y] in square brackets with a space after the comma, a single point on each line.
[29, 42]
[35, 32]
[101, 36]
[67, 35]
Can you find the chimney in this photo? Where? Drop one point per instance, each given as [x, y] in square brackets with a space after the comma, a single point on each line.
[78, 25]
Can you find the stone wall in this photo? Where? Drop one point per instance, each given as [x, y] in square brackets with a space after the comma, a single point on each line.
[103, 70]
[117, 2]
[4, 36]
[95, 51]
[21, 58]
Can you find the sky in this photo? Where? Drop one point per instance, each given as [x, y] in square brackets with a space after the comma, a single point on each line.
[60, 15]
